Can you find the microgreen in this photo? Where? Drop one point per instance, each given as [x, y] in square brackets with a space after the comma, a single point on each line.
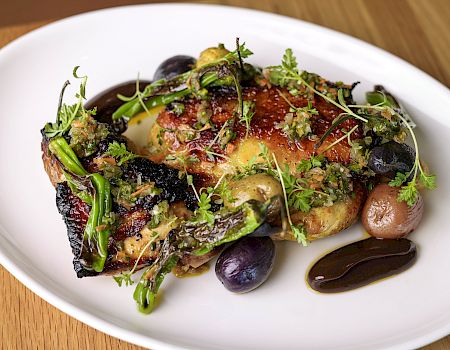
[248, 111]
[203, 213]
[120, 153]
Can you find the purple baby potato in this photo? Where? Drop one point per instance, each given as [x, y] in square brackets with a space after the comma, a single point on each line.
[174, 66]
[246, 264]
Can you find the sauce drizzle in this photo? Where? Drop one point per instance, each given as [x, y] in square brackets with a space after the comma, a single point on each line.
[361, 263]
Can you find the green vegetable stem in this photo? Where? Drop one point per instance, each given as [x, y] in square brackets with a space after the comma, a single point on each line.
[96, 233]
[197, 238]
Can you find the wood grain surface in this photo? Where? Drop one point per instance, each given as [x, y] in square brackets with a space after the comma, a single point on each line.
[415, 30]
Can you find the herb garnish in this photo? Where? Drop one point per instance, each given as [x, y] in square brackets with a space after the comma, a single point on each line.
[288, 75]
[66, 114]
[409, 192]
[248, 111]
[120, 153]
[298, 231]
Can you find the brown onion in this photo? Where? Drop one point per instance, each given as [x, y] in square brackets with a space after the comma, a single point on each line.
[383, 216]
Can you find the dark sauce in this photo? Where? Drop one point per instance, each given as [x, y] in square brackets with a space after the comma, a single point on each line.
[107, 102]
[361, 263]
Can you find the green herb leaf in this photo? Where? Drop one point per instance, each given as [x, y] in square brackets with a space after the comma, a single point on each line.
[203, 213]
[124, 278]
[120, 153]
[408, 193]
[429, 181]
[300, 234]
[67, 113]
[307, 164]
[248, 111]
[289, 62]
[399, 180]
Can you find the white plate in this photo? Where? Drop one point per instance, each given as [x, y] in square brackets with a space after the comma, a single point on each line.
[111, 46]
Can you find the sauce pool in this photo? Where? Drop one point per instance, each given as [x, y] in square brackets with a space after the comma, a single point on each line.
[361, 263]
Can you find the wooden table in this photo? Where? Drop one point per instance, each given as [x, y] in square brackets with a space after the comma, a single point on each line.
[416, 30]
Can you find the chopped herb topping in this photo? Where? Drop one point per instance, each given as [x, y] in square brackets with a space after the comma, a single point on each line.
[86, 133]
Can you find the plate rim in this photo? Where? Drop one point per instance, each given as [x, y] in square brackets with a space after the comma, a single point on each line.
[109, 328]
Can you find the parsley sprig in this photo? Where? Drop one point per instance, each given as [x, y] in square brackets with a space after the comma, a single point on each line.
[203, 212]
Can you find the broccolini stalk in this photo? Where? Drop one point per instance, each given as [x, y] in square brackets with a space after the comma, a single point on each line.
[61, 149]
[163, 91]
[137, 105]
[96, 232]
[198, 239]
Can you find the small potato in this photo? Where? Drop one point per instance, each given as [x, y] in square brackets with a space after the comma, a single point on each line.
[260, 187]
[211, 54]
[384, 217]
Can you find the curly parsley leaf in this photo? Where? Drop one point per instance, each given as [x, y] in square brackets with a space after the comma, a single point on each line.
[408, 193]
[307, 164]
[300, 234]
[203, 213]
[289, 62]
[233, 56]
[399, 180]
[120, 153]
[429, 181]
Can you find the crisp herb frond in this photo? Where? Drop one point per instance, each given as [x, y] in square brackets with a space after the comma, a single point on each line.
[408, 193]
[233, 56]
[300, 234]
[124, 278]
[203, 213]
[429, 181]
[307, 164]
[120, 153]
[289, 62]
[224, 192]
[399, 180]
[248, 111]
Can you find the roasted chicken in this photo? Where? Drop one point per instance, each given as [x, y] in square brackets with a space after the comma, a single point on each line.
[174, 136]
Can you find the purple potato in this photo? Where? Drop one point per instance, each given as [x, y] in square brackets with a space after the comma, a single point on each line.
[174, 66]
[246, 264]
